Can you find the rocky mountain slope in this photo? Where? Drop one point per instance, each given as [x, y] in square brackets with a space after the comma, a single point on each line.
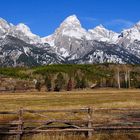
[70, 43]
[16, 52]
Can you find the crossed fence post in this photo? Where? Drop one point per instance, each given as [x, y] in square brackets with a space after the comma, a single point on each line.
[20, 125]
[90, 111]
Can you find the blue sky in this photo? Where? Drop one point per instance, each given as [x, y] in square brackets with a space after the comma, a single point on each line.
[44, 16]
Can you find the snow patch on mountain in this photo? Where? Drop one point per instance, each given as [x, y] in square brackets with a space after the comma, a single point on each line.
[4, 27]
[100, 33]
[20, 31]
[24, 33]
[70, 27]
[70, 43]
[128, 36]
[49, 39]
[64, 52]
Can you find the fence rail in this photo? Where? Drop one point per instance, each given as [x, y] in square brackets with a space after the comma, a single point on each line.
[21, 125]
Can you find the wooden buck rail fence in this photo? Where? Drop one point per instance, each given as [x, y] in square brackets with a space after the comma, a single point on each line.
[20, 124]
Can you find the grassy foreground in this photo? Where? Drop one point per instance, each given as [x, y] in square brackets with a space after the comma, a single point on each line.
[108, 98]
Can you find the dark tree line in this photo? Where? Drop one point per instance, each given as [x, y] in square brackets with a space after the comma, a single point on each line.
[60, 83]
[69, 77]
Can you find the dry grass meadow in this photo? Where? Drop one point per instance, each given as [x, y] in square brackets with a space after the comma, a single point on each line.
[98, 98]
[107, 98]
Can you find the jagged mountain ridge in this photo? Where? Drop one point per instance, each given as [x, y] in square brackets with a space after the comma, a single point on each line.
[20, 31]
[15, 52]
[70, 43]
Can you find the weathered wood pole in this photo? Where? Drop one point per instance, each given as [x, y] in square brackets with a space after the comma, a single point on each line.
[89, 122]
[20, 125]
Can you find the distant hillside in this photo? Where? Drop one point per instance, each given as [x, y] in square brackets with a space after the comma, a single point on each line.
[70, 77]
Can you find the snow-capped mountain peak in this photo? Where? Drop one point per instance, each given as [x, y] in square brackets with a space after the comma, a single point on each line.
[100, 27]
[24, 33]
[99, 30]
[70, 43]
[24, 28]
[4, 27]
[33, 39]
[100, 33]
[71, 27]
[128, 36]
[3, 22]
[64, 38]
[21, 31]
[71, 21]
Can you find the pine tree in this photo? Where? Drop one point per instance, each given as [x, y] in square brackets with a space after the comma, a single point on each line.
[59, 82]
[83, 83]
[69, 85]
[48, 83]
[78, 82]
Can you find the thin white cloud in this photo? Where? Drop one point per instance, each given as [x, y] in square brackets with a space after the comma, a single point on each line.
[120, 22]
[116, 24]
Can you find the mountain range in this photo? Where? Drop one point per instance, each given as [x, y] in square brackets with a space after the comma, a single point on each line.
[69, 44]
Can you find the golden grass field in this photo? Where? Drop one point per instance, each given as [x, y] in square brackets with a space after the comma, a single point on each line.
[97, 98]
[107, 98]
